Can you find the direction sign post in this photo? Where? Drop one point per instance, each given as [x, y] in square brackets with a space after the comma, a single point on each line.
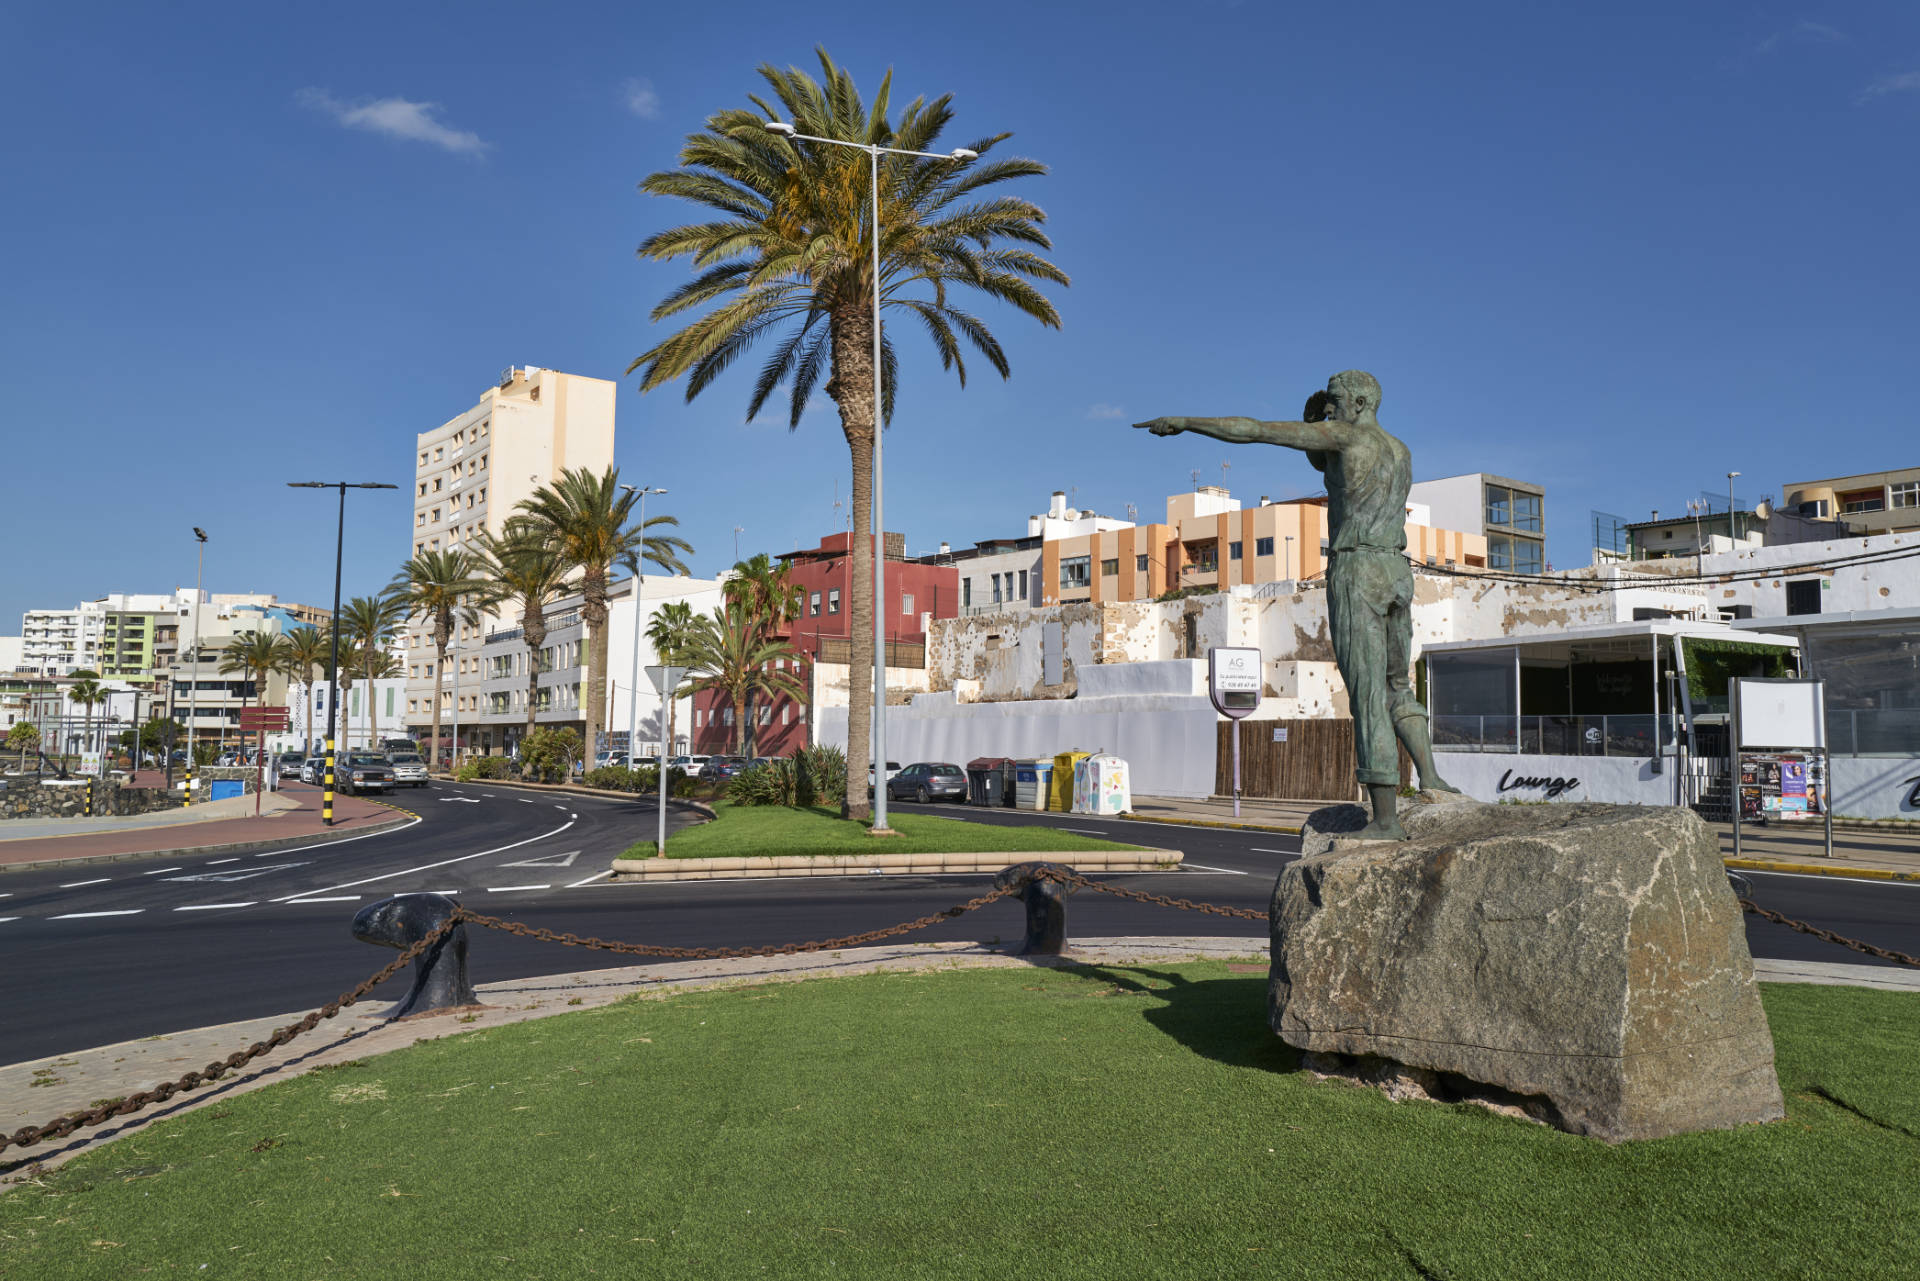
[666, 682]
[1233, 683]
[258, 721]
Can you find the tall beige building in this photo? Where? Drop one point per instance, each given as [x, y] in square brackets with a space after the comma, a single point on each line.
[470, 475]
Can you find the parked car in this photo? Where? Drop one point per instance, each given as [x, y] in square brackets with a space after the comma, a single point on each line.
[289, 763]
[359, 772]
[725, 767]
[691, 766]
[409, 769]
[893, 770]
[927, 781]
[314, 770]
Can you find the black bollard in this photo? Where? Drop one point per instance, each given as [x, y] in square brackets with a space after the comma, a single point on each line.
[440, 973]
[1046, 902]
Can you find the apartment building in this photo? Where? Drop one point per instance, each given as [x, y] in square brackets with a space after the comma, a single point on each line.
[1509, 514]
[1879, 502]
[1209, 540]
[470, 475]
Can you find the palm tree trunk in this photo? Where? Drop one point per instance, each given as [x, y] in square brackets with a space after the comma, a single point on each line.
[593, 612]
[442, 633]
[740, 723]
[373, 719]
[852, 390]
[533, 630]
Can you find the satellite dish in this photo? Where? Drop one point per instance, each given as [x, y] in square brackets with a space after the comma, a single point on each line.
[1763, 509]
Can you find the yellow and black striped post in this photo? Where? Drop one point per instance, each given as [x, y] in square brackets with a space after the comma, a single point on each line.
[89, 798]
[326, 801]
[186, 798]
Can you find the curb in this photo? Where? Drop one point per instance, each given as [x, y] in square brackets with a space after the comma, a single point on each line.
[1209, 822]
[1822, 869]
[650, 799]
[780, 867]
[278, 842]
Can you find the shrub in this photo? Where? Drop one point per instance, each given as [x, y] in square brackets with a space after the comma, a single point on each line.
[822, 775]
[480, 767]
[548, 754]
[618, 778]
[771, 783]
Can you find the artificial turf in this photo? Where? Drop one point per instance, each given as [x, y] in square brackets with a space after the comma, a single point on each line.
[1102, 1123]
[768, 831]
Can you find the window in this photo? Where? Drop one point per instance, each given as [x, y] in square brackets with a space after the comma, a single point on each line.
[1110, 567]
[1263, 547]
[439, 453]
[1023, 584]
[483, 462]
[1233, 550]
[436, 484]
[833, 600]
[1803, 596]
[906, 602]
[1499, 551]
[423, 488]
[419, 519]
[1075, 571]
[436, 515]
[1863, 500]
[1499, 505]
[813, 605]
[786, 714]
[966, 592]
[483, 493]
[1527, 556]
[1140, 563]
[1905, 495]
[1816, 510]
[423, 458]
[1526, 512]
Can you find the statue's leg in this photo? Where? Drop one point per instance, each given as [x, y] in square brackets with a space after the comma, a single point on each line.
[1357, 590]
[1409, 717]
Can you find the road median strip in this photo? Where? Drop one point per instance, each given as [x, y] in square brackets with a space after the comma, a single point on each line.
[774, 866]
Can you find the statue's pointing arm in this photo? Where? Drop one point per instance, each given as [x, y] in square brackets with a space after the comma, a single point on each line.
[1320, 437]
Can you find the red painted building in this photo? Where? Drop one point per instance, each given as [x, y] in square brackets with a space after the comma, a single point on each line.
[915, 592]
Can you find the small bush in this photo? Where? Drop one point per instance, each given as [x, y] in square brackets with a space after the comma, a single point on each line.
[822, 776]
[618, 778]
[482, 767]
[771, 783]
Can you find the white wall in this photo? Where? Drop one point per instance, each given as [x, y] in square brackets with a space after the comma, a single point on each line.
[1877, 787]
[1619, 780]
[701, 595]
[1892, 584]
[1456, 502]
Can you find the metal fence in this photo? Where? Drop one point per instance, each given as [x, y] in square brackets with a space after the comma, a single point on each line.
[1553, 735]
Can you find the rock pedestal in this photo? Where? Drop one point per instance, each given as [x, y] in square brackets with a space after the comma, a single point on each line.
[1585, 961]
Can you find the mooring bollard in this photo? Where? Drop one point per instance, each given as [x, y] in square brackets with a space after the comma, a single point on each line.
[440, 974]
[1046, 902]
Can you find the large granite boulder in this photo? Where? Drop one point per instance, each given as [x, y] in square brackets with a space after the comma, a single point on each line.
[1587, 962]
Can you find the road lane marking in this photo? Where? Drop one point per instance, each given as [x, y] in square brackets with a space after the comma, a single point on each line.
[559, 807]
[339, 898]
[1257, 849]
[8, 894]
[9, 918]
[1811, 876]
[591, 879]
[208, 907]
[488, 795]
[1202, 867]
[76, 916]
[548, 860]
[463, 800]
[523, 800]
[156, 871]
[217, 861]
[427, 867]
[98, 880]
[448, 893]
[573, 816]
[227, 877]
[509, 889]
[1086, 831]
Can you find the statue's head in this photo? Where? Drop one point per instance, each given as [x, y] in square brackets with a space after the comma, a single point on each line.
[1351, 397]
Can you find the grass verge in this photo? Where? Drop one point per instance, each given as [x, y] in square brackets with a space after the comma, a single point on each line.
[768, 831]
[1098, 1123]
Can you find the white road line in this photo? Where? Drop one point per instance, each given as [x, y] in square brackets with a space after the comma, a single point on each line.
[8, 894]
[559, 807]
[156, 871]
[208, 907]
[9, 918]
[341, 898]
[1261, 850]
[217, 861]
[523, 800]
[342, 841]
[448, 893]
[1087, 831]
[1810, 876]
[591, 879]
[488, 795]
[1202, 867]
[98, 880]
[573, 815]
[509, 889]
[427, 867]
[75, 916]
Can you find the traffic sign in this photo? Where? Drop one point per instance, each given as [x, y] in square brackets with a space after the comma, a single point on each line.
[262, 718]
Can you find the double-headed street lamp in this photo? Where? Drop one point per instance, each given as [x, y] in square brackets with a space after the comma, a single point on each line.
[1733, 533]
[333, 630]
[874, 151]
[633, 681]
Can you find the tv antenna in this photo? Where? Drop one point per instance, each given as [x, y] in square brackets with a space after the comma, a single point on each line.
[1195, 473]
[1225, 467]
[1132, 511]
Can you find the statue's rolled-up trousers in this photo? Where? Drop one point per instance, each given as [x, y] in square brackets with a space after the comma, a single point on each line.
[1370, 608]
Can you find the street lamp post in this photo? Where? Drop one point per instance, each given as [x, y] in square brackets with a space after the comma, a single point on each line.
[333, 629]
[874, 150]
[1733, 535]
[193, 683]
[633, 681]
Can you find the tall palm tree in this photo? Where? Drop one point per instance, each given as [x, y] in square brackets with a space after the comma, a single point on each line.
[253, 654]
[444, 587]
[87, 691]
[670, 632]
[733, 655]
[522, 567]
[790, 250]
[368, 625]
[766, 589]
[586, 520]
[305, 654]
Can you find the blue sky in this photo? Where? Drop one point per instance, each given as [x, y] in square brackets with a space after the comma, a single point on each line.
[1614, 249]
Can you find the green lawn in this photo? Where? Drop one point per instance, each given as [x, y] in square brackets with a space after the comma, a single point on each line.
[1117, 1123]
[765, 831]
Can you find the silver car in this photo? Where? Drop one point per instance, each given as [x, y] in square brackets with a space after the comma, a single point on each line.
[409, 770]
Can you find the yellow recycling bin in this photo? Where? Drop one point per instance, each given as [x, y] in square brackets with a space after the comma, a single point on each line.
[1060, 795]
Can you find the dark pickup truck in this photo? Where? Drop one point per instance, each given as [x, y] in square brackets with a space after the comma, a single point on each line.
[363, 772]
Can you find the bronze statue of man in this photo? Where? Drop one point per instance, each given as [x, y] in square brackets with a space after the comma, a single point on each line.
[1369, 586]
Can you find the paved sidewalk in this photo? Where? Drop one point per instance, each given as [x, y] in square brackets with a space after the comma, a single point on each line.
[1861, 853]
[197, 831]
[37, 1091]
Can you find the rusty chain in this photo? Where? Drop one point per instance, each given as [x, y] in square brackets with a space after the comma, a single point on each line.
[721, 953]
[1141, 896]
[1885, 954]
[60, 1127]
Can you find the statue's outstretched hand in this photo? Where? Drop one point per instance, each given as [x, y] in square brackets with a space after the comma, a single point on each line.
[1165, 426]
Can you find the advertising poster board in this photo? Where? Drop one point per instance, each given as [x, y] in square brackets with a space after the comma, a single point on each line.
[1779, 753]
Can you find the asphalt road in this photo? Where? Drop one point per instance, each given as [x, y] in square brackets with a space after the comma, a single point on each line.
[111, 952]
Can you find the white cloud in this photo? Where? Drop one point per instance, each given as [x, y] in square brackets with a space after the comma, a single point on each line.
[396, 118]
[1104, 410]
[1905, 82]
[1802, 32]
[641, 99]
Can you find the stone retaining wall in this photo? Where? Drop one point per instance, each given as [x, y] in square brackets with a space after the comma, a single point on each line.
[23, 796]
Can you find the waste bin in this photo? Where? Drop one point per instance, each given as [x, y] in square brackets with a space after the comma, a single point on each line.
[1031, 782]
[985, 780]
[1061, 797]
[1101, 786]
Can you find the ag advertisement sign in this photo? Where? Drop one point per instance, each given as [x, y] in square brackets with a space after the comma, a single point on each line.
[1233, 680]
